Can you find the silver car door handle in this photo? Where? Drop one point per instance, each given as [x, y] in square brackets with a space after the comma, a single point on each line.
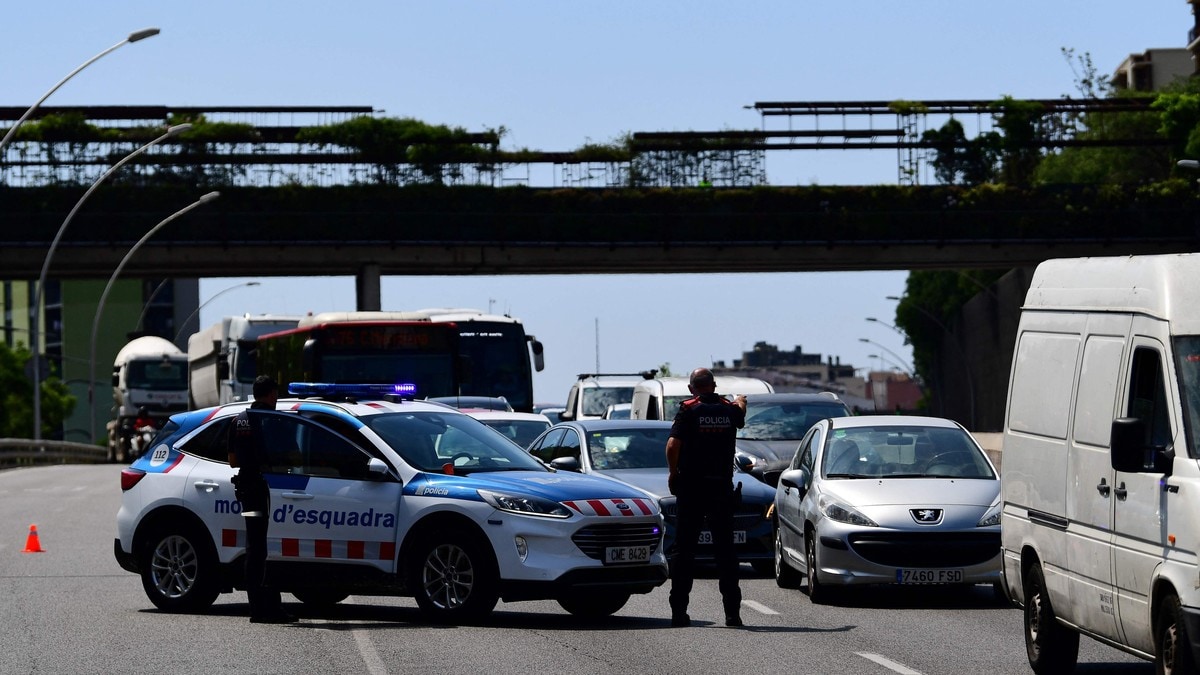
[208, 485]
[296, 495]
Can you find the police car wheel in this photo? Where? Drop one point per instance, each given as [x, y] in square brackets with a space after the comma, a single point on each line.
[319, 598]
[593, 605]
[454, 579]
[179, 571]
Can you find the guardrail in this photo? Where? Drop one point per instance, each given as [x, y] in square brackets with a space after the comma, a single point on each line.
[28, 452]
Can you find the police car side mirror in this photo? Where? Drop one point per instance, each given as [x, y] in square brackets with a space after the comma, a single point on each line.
[377, 468]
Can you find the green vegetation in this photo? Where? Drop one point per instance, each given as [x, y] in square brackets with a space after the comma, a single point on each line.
[16, 397]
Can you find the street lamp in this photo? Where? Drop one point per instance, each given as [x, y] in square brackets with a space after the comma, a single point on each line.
[874, 320]
[900, 360]
[35, 308]
[133, 37]
[962, 354]
[137, 328]
[216, 295]
[108, 287]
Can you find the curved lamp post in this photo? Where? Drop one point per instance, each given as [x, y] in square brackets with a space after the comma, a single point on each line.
[881, 323]
[961, 353]
[108, 287]
[133, 37]
[36, 308]
[899, 359]
[203, 304]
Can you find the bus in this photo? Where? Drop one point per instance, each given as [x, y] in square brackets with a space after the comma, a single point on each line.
[495, 357]
[419, 352]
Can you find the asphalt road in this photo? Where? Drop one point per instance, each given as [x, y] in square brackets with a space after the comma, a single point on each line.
[71, 609]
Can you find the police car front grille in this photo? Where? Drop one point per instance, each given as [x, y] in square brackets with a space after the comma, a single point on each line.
[593, 539]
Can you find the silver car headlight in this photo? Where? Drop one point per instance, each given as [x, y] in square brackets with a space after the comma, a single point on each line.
[992, 517]
[843, 514]
[525, 505]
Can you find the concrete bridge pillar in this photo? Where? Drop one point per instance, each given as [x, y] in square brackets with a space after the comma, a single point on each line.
[366, 288]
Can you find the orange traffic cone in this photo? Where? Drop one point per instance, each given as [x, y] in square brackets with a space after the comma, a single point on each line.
[31, 543]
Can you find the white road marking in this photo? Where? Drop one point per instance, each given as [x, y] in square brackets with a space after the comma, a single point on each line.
[759, 607]
[370, 657]
[889, 664]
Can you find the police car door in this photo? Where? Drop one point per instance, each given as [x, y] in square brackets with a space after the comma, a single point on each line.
[325, 506]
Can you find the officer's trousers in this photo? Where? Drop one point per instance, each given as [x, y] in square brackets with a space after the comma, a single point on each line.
[265, 601]
[697, 503]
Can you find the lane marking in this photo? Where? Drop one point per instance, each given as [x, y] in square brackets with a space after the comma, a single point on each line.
[370, 657]
[889, 664]
[759, 607]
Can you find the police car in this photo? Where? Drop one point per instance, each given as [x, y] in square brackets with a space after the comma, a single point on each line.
[383, 495]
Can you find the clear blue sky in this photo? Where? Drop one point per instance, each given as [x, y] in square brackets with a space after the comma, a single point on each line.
[558, 74]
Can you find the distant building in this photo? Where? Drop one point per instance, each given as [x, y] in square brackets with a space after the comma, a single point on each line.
[1153, 69]
[796, 371]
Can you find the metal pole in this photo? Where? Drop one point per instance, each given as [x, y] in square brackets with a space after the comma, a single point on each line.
[36, 307]
[108, 287]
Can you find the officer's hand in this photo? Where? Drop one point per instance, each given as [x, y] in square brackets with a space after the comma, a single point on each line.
[671, 483]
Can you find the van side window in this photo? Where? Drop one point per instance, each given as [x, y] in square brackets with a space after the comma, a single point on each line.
[1148, 397]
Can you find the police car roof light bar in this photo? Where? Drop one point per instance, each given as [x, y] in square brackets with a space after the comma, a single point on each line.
[357, 391]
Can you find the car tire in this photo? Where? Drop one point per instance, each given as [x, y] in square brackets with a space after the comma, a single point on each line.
[818, 592]
[1172, 648]
[179, 570]
[318, 598]
[786, 576]
[593, 605]
[1051, 647]
[453, 579]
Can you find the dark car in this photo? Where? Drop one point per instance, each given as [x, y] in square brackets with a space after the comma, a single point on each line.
[775, 423]
[633, 452]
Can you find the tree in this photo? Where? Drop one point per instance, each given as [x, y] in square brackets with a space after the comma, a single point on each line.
[16, 397]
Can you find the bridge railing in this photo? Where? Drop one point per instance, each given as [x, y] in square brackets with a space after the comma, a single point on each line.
[28, 452]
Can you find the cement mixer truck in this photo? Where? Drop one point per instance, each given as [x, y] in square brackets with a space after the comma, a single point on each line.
[148, 375]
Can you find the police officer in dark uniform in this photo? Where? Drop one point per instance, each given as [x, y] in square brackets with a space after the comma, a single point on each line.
[700, 459]
[248, 454]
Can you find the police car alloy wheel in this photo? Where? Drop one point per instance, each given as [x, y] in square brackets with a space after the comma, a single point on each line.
[179, 570]
[453, 577]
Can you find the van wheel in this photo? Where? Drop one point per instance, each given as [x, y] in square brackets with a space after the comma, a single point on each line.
[1172, 649]
[453, 578]
[1051, 647]
[179, 570]
[786, 576]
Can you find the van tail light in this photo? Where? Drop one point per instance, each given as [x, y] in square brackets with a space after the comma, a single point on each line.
[131, 477]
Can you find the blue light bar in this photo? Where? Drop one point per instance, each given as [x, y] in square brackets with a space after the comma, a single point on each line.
[351, 390]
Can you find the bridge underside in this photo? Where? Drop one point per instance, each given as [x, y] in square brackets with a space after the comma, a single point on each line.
[457, 231]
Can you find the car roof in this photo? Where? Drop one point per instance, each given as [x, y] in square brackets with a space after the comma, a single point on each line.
[512, 416]
[604, 425]
[821, 397]
[891, 421]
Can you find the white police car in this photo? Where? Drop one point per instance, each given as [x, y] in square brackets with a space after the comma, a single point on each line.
[378, 495]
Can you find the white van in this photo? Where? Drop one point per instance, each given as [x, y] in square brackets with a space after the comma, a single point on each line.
[593, 393]
[659, 398]
[1101, 488]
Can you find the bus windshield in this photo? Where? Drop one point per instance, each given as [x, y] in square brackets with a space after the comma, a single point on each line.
[497, 362]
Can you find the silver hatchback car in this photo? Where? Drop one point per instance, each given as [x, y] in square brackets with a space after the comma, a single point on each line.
[886, 499]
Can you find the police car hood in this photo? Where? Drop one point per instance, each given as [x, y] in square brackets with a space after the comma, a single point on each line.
[654, 481]
[557, 486]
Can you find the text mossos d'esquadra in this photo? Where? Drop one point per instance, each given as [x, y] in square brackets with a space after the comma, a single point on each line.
[326, 518]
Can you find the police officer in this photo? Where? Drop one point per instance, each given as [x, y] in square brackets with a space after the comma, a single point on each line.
[248, 454]
[700, 460]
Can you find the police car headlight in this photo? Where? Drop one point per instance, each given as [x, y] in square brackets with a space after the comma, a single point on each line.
[843, 513]
[524, 504]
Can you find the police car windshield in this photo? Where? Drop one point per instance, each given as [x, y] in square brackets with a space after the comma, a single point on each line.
[428, 441]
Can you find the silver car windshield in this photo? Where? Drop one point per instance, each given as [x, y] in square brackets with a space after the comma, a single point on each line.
[903, 452]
